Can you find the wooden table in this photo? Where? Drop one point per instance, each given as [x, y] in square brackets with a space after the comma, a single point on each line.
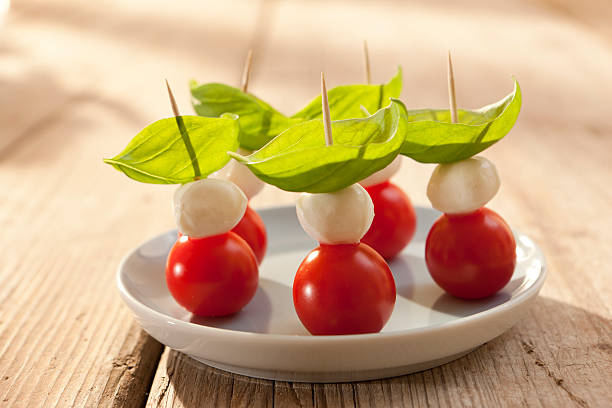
[78, 79]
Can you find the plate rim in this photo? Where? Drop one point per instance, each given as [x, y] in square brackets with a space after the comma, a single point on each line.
[134, 303]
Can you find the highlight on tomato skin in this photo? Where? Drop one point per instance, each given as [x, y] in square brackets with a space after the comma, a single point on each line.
[343, 289]
[394, 221]
[252, 229]
[212, 276]
[471, 256]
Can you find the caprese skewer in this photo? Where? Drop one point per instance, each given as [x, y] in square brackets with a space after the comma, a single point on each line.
[210, 270]
[343, 286]
[251, 227]
[394, 221]
[470, 250]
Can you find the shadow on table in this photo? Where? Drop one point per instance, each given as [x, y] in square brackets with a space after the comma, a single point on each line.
[539, 344]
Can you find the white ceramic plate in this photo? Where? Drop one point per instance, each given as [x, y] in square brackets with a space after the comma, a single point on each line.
[267, 340]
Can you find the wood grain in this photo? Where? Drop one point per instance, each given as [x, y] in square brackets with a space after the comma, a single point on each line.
[534, 364]
[79, 78]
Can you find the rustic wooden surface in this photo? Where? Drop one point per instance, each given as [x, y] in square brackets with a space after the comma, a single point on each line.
[79, 78]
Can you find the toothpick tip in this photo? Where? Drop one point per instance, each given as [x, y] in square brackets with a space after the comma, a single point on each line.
[246, 71]
[172, 100]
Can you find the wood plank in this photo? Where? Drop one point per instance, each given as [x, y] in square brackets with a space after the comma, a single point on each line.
[66, 219]
[206, 386]
[334, 395]
[64, 335]
[287, 394]
[130, 379]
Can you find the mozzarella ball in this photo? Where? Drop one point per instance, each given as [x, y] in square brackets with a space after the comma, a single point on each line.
[384, 174]
[208, 207]
[240, 175]
[341, 217]
[463, 186]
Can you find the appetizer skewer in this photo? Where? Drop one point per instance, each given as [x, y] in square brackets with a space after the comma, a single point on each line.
[343, 286]
[394, 222]
[470, 250]
[251, 227]
[210, 270]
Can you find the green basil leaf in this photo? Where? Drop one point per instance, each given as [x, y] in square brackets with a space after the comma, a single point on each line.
[259, 122]
[432, 138]
[178, 150]
[299, 160]
[345, 101]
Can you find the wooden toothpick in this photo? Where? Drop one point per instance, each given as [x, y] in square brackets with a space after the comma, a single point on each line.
[172, 100]
[451, 90]
[366, 59]
[326, 119]
[246, 72]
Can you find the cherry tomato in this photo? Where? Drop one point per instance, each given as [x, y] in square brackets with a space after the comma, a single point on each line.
[343, 289]
[394, 220]
[212, 276]
[252, 229]
[471, 256]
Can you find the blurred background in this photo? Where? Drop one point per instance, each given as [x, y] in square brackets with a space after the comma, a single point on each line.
[82, 72]
[79, 78]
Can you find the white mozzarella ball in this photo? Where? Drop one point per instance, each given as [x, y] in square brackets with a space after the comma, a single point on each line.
[208, 207]
[341, 217]
[383, 175]
[240, 175]
[463, 186]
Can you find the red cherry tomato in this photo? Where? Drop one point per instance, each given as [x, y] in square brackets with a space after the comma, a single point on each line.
[252, 229]
[213, 276]
[394, 220]
[343, 289]
[471, 256]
